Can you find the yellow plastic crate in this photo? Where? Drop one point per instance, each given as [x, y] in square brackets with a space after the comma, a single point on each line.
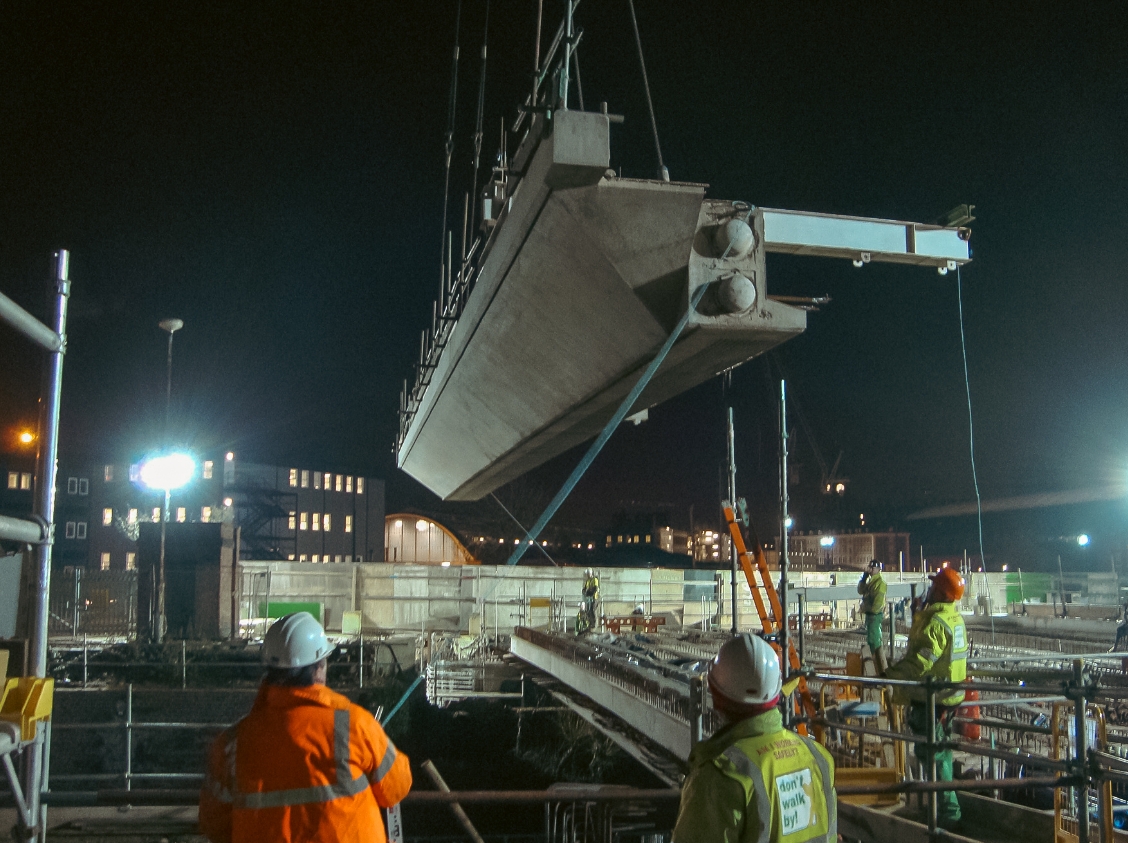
[27, 701]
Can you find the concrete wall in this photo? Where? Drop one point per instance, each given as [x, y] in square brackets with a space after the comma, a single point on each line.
[474, 598]
[491, 598]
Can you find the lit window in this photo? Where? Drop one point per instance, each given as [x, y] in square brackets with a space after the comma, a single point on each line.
[348, 484]
[83, 485]
[208, 467]
[317, 479]
[305, 479]
[303, 522]
[339, 483]
[107, 516]
[293, 477]
[13, 479]
[131, 561]
[303, 558]
[181, 515]
[618, 539]
[316, 557]
[133, 516]
[205, 514]
[648, 538]
[348, 523]
[72, 485]
[80, 530]
[105, 561]
[328, 482]
[338, 557]
[316, 522]
[156, 513]
[108, 473]
[325, 522]
[25, 482]
[291, 557]
[70, 529]
[293, 521]
[636, 539]
[360, 485]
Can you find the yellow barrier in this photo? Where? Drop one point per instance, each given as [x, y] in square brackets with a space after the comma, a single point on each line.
[852, 747]
[26, 702]
[1066, 828]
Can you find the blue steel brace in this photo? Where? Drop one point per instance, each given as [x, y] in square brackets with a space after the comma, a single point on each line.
[605, 434]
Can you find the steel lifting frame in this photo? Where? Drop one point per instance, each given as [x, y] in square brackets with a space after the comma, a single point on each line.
[772, 616]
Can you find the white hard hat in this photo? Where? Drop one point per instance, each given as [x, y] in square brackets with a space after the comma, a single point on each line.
[746, 671]
[296, 640]
[589, 573]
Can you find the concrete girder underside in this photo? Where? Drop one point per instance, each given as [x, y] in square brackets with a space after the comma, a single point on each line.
[579, 289]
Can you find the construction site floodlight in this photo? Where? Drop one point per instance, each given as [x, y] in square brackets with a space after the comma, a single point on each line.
[167, 471]
[1083, 540]
[827, 541]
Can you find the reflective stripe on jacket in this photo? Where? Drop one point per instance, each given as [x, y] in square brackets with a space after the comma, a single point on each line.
[873, 592]
[305, 764]
[938, 647]
[755, 782]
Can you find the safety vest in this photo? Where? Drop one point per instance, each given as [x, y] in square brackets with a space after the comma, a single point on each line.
[873, 594]
[789, 780]
[938, 647]
[591, 588]
[305, 764]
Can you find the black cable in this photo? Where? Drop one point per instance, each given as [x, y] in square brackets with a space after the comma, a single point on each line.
[481, 110]
[452, 102]
[663, 173]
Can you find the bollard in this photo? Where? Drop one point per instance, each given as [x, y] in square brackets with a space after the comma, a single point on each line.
[1081, 735]
[933, 797]
[129, 736]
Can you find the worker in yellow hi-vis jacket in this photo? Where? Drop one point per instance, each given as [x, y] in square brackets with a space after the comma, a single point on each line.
[754, 781]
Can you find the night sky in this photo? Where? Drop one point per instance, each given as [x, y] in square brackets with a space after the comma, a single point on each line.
[272, 174]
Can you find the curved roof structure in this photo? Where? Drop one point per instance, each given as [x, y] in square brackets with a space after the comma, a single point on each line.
[415, 540]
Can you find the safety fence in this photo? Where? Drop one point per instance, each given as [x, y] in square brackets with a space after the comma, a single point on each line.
[355, 662]
[1042, 722]
[102, 603]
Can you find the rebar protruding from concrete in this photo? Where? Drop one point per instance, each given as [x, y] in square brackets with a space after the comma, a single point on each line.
[456, 809]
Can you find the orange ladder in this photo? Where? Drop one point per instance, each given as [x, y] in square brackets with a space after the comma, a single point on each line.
[772, 616]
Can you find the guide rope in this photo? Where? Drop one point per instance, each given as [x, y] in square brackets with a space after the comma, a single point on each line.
[971, 446]
[663, 173]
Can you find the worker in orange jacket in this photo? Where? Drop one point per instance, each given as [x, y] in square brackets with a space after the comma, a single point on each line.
[305, 764]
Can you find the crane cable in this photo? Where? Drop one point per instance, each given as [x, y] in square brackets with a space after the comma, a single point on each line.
[452, 103]
[662, 171]
[481, 109]
[971, 447]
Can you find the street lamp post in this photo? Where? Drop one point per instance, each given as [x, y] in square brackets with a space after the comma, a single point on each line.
[171, 326]
[164, 473]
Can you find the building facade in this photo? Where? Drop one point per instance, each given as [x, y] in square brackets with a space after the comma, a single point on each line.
[847, 551]
[283, 513]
